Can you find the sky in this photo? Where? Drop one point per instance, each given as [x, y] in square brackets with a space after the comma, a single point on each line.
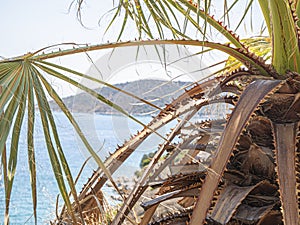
[30, 25]
[33, 24]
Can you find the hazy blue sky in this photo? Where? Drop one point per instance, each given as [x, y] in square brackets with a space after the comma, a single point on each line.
[32, 24]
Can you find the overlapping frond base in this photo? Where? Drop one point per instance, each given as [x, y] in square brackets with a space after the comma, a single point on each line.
[258, 148]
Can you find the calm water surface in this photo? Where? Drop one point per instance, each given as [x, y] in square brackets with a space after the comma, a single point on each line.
[104, 133]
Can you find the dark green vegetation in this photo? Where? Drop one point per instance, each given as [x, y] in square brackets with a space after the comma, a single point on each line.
[146, 159]
[241, 169]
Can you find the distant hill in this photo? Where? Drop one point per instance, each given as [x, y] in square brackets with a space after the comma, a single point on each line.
[156, 91]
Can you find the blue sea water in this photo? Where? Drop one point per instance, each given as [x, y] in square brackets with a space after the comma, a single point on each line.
[104, 132]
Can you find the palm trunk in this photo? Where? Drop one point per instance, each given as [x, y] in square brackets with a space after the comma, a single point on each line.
[285, 141]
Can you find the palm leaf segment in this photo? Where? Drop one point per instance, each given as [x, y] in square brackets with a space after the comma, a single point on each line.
[24, 90]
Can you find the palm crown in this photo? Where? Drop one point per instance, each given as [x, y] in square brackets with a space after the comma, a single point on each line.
[252, 173]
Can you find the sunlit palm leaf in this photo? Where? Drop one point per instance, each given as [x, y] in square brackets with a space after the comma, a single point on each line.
[59, 101]
[17, 100]
[261, 46]
[244, 14]
[22, 81]
[48, 130]
[61, 155]
[160, 11]
[188, 18]
[14, 146]
[227, 10]
[5, 181]
[30, 144]
[118, 10]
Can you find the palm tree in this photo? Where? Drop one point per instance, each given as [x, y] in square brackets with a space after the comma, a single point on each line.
[251, 172]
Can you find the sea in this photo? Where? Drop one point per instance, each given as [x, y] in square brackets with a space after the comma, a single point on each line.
[104, 133]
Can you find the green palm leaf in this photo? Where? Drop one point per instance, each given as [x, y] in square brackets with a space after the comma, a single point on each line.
[23, 84]
[59, 101]
[18, 100]
[46, 121]
[30, 148]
